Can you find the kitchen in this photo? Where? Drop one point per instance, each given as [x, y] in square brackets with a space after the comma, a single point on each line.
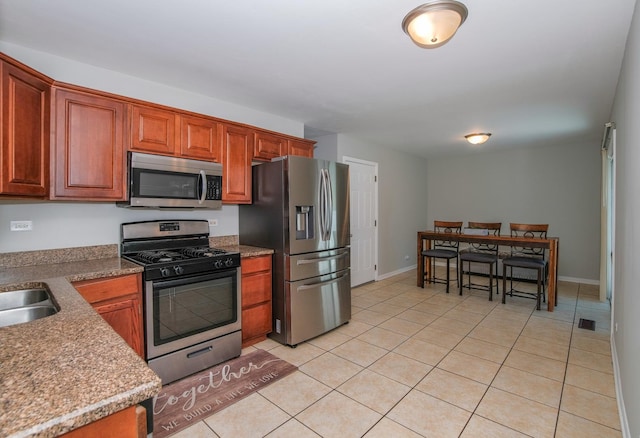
[66, 224]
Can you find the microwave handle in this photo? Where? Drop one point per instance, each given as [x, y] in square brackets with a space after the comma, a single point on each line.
[203, 186]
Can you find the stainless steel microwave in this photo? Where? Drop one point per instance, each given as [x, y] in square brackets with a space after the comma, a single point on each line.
[156, 181]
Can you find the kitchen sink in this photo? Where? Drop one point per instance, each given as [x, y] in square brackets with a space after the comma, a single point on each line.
[25, 314]
[23, 297]
[24, 305]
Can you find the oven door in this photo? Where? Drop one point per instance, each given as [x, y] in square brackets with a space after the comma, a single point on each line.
[180, 313]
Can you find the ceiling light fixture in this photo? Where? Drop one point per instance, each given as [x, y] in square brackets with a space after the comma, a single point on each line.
[433, 24]
[478, 138]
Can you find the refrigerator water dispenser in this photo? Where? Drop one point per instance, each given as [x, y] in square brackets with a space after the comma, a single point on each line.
[304, 222]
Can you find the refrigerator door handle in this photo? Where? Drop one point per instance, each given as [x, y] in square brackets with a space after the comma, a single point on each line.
[321, 259]
[322, 283]
[326, 204]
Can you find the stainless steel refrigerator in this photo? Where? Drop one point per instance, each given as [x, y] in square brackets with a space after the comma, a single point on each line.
[301, 210]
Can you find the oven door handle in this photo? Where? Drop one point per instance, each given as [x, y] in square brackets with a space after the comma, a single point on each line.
[203, 187]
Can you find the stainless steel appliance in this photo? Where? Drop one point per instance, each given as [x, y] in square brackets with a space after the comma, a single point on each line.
[170, 182]
[301, 210]
[192, 305]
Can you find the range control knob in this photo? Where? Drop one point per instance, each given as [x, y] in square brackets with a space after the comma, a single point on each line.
[218, 264]
[178, 270]
[164, 272]
[229, 262]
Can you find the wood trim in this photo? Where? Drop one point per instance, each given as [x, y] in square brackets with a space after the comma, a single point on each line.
[122, 424]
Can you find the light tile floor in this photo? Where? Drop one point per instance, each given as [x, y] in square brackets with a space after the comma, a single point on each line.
[417, 362]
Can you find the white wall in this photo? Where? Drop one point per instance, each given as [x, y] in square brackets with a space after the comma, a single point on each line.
[66, 70]
[558, 185]
[68, 224]
[401, 207]
[626, 299]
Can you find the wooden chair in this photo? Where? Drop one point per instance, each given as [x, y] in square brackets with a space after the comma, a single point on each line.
[524, 257]
[482, 253]
[442, 249]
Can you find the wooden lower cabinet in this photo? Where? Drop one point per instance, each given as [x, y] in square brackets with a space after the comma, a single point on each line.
[256, 299]
[119, 301]
[127, 423]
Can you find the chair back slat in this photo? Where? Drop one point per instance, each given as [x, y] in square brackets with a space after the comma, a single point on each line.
[493, 229]
[450, 228]
[529, 231]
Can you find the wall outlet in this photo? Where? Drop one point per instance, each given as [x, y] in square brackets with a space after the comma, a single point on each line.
[21, 225]
[406, 257]
[213, 222]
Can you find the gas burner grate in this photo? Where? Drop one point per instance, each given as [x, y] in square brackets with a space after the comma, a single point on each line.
[158, 256]
[202, 252]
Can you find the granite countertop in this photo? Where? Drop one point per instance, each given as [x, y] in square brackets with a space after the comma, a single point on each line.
[67, 370]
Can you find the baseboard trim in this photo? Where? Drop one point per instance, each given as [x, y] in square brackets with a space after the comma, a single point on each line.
[396, 272]
[624, 422]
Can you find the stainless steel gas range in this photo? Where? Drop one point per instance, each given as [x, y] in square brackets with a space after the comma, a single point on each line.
[191, 297]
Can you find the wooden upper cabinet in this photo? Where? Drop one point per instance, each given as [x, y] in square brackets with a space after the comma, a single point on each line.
[153, 130]
[302, 148]
[268, 146]
[24, 152]
[237, 149]
[200, 138]
[88, 153]
[157, 130]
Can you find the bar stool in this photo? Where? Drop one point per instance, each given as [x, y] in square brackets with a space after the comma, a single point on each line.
[483, 253]
[441, 249]
[524, 257]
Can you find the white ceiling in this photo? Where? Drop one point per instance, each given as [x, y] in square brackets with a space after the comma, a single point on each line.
[532, 72]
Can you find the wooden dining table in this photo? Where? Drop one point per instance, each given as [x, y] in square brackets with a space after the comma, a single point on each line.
[550, 243]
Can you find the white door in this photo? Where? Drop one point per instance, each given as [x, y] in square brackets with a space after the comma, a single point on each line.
[607, 213]
[363, 180]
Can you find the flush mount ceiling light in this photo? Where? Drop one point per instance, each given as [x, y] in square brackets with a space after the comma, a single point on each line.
[478, 138]
[433, 24]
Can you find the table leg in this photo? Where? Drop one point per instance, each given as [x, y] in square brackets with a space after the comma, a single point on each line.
[553, 275]
[423, 244]
[420, 272]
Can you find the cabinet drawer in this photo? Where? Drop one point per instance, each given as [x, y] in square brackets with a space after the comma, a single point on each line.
[255, 264]
[256, 289]
[103, 289]
[256, 321]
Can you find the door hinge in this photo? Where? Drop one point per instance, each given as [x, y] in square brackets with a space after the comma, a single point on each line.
[375, 267]
[375, 178]
[375, 223]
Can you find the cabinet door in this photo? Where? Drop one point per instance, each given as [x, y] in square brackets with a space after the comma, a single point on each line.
[256, 299]
[89, 159]
[124, 317]
[119, 301]
[153, 130]
[256, 323]
[237, 148]
[268, 146]
[200, 138]
[24, 153]
[303, 148]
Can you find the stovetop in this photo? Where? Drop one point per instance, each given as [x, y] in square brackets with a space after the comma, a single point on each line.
[151, 257]
[170, 249]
